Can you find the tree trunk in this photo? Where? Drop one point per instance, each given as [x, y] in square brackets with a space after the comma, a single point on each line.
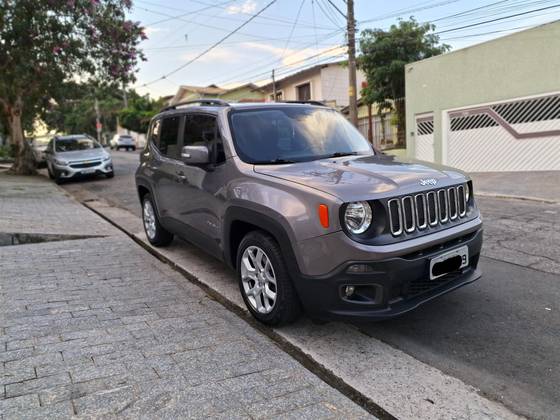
[401, 122]
[24, 162]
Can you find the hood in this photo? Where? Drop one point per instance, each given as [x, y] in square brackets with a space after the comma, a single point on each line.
[364, 177]
[79, 155]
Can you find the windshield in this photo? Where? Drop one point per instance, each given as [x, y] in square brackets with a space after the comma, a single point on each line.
[75, 144]
[294, 134]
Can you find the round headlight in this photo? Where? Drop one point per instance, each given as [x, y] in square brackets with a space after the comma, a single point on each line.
[467, 193]
[357, 217]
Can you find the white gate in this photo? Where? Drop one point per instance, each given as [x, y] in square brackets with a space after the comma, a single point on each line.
[518, 135]
[424, 143]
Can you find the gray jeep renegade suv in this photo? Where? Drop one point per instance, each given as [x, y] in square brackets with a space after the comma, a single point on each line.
[311, 217]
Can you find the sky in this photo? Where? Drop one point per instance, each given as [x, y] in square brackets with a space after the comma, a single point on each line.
[292, 34]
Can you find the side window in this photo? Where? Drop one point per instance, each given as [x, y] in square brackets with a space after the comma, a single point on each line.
[168, 143]
[154, 132]
[202, 130]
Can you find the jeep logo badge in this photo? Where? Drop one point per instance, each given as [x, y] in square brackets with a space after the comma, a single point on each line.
[428, 181]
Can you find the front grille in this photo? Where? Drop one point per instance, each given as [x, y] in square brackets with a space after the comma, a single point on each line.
[431, 208]
[84, 165]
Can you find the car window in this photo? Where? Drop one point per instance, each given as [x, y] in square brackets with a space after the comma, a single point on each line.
[74, 144]
[294, 134]
[168, 143]
[154, 132]
[202, 130]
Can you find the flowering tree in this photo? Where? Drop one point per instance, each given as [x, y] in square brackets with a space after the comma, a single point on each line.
[45, 43]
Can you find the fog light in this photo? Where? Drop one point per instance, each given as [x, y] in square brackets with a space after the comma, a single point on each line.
[359, 268]
[349, 291]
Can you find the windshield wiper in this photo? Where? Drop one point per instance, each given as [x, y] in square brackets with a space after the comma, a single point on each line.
[340, 154]
[276, 161]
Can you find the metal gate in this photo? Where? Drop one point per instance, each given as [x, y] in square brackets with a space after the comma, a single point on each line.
[518, 135]
[424, 144]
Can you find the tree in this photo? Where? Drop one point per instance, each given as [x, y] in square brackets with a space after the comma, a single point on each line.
[140, 111]
[46, 43]
[74, 109]
[383, 57]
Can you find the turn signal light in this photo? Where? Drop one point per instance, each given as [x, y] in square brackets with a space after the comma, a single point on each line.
[324, 215]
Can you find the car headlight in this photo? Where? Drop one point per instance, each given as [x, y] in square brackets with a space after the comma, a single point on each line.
[357, 217]
[106, 158]
[60, 162]
[468, 192]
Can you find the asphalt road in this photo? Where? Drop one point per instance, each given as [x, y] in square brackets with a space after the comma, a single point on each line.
[500, 334]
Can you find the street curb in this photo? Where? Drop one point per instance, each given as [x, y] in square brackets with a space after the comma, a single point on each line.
[516, 197]
[307, 361]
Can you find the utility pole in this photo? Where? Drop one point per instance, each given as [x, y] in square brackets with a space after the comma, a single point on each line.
[273, 87]
[98, 126]
[351, 35]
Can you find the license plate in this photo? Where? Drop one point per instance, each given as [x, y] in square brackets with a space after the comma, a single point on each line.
[448, 262]
[88, 171]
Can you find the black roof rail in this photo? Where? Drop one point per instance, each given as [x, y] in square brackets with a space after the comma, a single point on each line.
[203, 101]
[318, 103]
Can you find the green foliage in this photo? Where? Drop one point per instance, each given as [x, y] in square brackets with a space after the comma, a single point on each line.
[385, 53]
[45, 44]
[140, 111]
[6, 152]
[74, 111]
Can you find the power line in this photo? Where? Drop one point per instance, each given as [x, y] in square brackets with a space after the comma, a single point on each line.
[497, 19]
[206, 51]
[292, 29]
[337, 9]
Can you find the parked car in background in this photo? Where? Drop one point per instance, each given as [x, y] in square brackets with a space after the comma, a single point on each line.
[122, 141]
[310, 216]
[38, 146]
[75, 155]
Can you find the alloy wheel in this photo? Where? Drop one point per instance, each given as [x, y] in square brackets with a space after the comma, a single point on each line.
[149, 219]
[258, 279]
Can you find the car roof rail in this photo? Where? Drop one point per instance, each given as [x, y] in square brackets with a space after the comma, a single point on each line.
[203, 102]
[317, 103]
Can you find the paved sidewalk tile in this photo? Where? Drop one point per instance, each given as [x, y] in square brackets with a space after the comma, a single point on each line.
[98, 327]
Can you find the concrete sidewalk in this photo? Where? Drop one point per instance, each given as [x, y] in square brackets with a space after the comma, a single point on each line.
[539, 186]
[98, 327]
[402, 385]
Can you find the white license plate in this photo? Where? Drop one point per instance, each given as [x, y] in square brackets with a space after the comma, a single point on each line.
[88, 171]
[448, 262]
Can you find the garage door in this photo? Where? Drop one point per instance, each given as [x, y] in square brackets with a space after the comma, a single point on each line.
[518, 135]
[424, 144]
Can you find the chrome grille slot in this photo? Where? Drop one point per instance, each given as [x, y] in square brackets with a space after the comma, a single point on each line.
[431, 198]
[426, 210]
[421, 214]
[395, 216]
[443, 207]
[461, 200]
[408, 213]
[452, 196]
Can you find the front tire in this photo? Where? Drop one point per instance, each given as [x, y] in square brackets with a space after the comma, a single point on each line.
[155, 232]
[264, 281]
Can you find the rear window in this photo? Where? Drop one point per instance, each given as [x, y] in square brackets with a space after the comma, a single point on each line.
[75, 144]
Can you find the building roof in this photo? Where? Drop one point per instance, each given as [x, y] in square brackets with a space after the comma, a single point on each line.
[202, 90]
[250, 86]
[302, 72]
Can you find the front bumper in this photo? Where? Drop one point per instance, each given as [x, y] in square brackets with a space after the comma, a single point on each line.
[68, 171]
[393, 286]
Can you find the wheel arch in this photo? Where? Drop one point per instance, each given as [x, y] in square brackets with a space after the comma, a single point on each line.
[239, 221]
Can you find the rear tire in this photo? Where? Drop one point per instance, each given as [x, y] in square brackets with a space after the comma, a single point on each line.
[155, 232]
[264, 280]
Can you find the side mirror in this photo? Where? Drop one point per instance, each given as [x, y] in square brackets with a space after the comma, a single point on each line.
[195, 155]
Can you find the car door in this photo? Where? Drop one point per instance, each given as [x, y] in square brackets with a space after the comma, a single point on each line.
[167, 134]
[201, 200]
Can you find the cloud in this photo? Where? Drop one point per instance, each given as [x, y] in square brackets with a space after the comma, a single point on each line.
[221, 55]
[293, 57]
[248, 6]
[150, 30]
